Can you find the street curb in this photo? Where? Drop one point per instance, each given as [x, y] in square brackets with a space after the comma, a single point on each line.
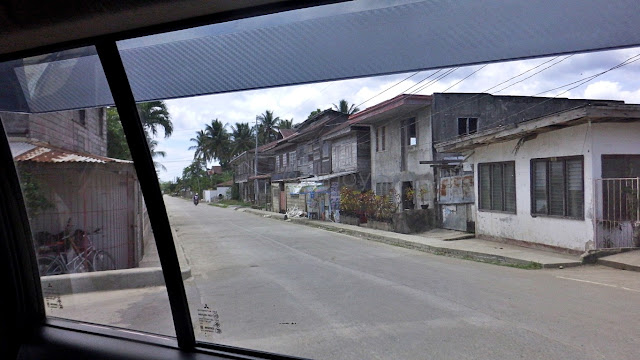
[618, 265]
[461, 254]
[107, 280]
[265, 214]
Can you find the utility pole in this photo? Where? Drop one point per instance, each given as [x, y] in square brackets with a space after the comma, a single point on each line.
[255, 166]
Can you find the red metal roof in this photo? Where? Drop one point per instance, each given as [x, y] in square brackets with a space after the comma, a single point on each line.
[402, 99]
[287, 132]
[226, 183]
[44, 153]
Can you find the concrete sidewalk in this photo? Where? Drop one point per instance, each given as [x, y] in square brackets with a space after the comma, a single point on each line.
[445, 242]
[627, 260]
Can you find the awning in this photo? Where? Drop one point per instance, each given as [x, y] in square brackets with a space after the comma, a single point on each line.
[331, 176]
[303, 187]
[260, 177]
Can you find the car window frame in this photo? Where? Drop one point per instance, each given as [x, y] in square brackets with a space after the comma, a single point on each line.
[29, 320]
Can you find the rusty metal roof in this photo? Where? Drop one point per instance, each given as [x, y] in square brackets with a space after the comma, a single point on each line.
[44, 153]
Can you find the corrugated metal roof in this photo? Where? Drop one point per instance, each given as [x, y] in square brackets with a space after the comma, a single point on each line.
[47, 154]
[20, 147]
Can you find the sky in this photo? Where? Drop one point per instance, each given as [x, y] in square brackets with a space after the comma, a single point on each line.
[526, 78]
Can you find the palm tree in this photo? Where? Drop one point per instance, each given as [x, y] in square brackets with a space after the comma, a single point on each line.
[314, 113]
[200, 147]
[242, 138]
[344, 107]
[219, 143]
[285, 124]
[155, 153]
[154, 114]
[267, 127]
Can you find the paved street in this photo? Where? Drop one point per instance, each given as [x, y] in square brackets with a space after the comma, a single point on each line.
[298, 290]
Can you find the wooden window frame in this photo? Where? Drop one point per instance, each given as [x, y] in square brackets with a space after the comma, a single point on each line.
[467, 127]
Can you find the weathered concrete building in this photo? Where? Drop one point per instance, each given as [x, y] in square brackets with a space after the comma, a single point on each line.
[401, 137]
[457, 115]
[568, 180]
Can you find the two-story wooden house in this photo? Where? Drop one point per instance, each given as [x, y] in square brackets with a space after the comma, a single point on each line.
[303, 155]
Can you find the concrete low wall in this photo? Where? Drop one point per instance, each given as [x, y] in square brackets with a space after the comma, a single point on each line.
[107, 280]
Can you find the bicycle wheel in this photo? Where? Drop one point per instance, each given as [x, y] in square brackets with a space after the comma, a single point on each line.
[102, 261]
[80, 265]
[51, 265]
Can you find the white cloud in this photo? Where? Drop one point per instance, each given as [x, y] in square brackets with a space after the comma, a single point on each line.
[611, 91]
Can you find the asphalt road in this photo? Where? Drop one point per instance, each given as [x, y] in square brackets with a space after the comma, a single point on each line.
[301, 291]
[297, 290]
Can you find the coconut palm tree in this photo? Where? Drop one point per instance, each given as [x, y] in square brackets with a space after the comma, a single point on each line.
[219, 142]
[285, 124]
[344, 107]
[242, 138]
[156, 153]
[201, 140]
[267, 127]
[154, 115]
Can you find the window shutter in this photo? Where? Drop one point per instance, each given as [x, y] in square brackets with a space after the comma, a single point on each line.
[484, 182]
[540, 187]
[556, 188]
[509, 187]
[497, 202]
[575, 189]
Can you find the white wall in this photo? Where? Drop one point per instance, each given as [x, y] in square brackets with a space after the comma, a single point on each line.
[559, 232]
[589, 140]
[614, 139]
[212, 195]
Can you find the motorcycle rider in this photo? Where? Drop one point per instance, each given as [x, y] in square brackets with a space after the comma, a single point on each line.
[195, 199]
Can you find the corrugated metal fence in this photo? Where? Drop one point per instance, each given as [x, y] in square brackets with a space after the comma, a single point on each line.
[92, 196]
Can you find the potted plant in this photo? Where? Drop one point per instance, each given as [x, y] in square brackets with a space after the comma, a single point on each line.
[423, 193]
[409, 195]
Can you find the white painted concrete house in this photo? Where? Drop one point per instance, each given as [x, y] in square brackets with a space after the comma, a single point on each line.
[566, 181]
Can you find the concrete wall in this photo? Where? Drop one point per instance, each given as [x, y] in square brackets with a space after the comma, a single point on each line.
[493, 111]
[589, 140]
[212, 195]
[385, 165]
[299, 200]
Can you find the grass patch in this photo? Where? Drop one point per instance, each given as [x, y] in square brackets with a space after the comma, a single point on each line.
[224, 206]
[230, 202]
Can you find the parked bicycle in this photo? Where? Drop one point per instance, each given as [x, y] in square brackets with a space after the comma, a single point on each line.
[71, 252]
